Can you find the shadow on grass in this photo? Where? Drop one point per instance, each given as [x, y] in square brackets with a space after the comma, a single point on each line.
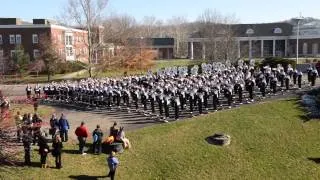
[87, 148]
[86, 177]
[316, 160]
[21, 164]
[71, 151]
[305, 116]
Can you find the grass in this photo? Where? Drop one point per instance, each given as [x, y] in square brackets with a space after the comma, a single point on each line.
[269, 141]
[30, 79]
[159, 64]
[111, 73]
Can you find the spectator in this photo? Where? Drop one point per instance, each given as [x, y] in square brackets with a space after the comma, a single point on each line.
[63, 127]
[36, 127]
[57, 149]
[54, 125]
[114, 130]
[26, 139]
[43, 150]
[121, 137]
[97, 139]
[18, 119]
[113, 163]
[29, 119]
[82, 134]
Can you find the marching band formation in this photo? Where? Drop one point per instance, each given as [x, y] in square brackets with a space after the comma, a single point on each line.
[179, 90]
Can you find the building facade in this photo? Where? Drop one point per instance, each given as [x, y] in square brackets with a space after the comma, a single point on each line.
[69, 43]
[266, 40]
[162, 48]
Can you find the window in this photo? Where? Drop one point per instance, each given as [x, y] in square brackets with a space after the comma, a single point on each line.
[35, 38]
[12, 39]
[36, 53]
[1, 39]
[69, 51]
[250, 31]
[15, 52]
[277, 30]
[18, 39]
[69, 40]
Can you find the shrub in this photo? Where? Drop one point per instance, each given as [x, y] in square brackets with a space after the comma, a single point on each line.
[307, 61]
[68, 67]
[274, 61]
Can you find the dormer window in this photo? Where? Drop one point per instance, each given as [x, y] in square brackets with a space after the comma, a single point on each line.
[277, 30]
[250, 31]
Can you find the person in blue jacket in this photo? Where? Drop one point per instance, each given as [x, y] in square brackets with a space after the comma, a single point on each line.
[64, 127]
[113, 163]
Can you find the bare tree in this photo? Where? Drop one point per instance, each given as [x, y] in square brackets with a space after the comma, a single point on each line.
[87, 14]
[219, 34]
[148, 26]
[119, 28]
[178, 29]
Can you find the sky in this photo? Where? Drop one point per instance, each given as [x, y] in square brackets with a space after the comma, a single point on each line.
[246, 11]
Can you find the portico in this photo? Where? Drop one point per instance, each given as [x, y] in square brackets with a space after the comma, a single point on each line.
[263, 40]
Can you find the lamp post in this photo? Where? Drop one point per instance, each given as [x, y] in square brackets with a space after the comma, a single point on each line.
[298, 19]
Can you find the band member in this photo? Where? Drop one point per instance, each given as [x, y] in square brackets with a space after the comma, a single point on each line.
[295, 76]
[287, 82]
[313, 77]
[28, 90]
[299, 79]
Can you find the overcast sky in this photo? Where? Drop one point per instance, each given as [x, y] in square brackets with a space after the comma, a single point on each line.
[246, 11]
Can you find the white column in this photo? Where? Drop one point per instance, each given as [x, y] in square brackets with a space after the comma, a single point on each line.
[262, 46]
[239, 51]
[191, 50]
[274, 48]
[285, 47]
[250, 49]
[203, 51]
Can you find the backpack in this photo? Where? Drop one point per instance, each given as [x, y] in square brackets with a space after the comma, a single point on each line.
[95, 137]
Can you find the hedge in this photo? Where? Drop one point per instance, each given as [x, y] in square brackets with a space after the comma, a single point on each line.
[274, 61]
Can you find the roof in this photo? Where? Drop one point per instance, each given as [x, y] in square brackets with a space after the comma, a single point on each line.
[152, 41]
[265, 29]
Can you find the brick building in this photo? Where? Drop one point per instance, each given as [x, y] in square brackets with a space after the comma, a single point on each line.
[70, 43]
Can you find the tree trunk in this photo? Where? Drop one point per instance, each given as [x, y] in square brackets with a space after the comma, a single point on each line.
[90, 71]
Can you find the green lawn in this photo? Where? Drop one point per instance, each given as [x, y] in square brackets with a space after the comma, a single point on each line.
[30, 79]
[159, 64]
[269, 141]
[110, 73]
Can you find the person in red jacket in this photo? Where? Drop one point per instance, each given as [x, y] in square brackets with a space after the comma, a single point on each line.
[82, 134]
